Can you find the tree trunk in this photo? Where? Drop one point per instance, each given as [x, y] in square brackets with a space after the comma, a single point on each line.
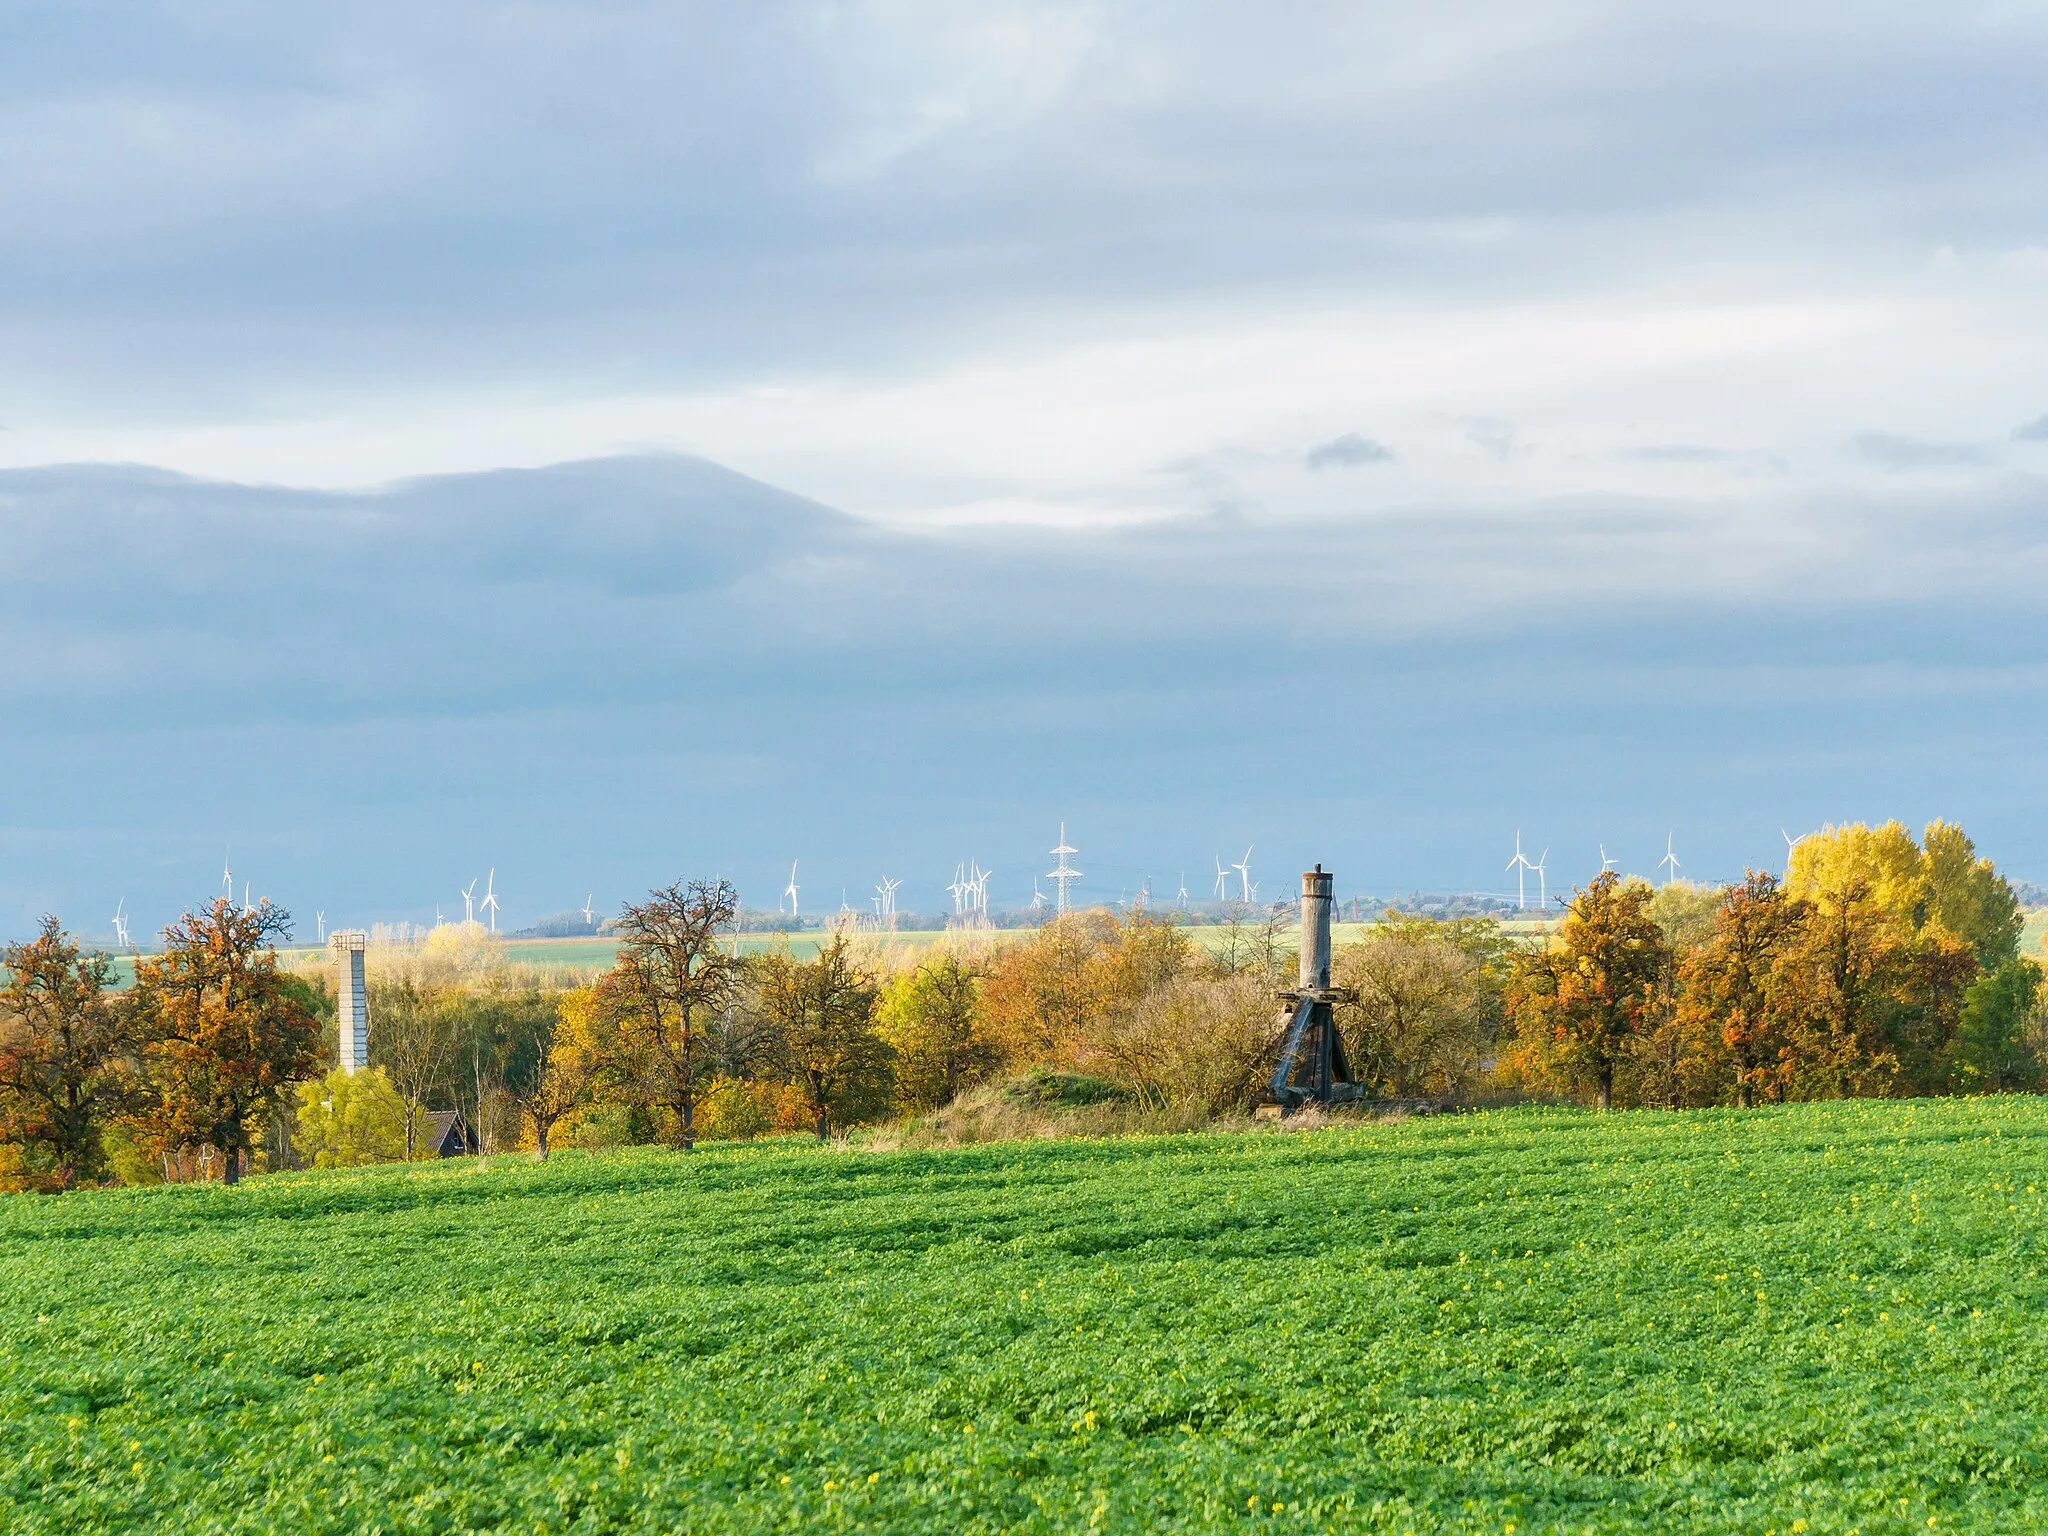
[1745, 1096]
[1607, 1090]
[689, 1142]
[823, 1128]
[230, 1165]
[540, 1141]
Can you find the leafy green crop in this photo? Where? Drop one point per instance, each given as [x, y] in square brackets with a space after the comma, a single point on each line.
[1830, 1314]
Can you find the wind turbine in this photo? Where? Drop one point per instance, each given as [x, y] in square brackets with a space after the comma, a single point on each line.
[246, 908]
[1521, 866]
[1244, 873]
[1605, 862]
[468, 907]
[490, 901]
[1670, 859]
[227, 879]
[121, 923]
[1037, 896]
[591, 918]
[959, 890]
[789, 890]
[1542, 887]
[1222, 880]
[1181, 901]
[320, 923]
[977, 891]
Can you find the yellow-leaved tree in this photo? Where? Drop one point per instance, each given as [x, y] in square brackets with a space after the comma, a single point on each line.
[347, 1119]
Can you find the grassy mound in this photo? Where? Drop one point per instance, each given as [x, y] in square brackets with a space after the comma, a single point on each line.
[1830, 1314]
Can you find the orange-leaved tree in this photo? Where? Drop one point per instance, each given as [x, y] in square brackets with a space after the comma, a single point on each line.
[223, 1033]
[1728, 1002]
[1581, 1003]
[64, 1054]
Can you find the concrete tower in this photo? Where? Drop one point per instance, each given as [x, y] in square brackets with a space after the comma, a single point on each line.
[352, 998]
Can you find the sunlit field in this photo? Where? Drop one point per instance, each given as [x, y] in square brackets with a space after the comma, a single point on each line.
[1539, 1320]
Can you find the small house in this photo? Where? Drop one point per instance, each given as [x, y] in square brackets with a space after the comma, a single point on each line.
[444, 1133]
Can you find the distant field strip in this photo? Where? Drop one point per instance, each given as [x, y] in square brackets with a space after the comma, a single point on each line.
[1716, 1321]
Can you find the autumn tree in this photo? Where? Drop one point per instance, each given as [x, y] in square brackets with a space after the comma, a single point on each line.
[348, 1119]
[1870, 1005]
[1417, 1024]
[821, 1015]
[1969, 897]
[223, 1033]
[64, 1054]
[1052, 997]
[1881, 869]
[930, 1016]
[673, 982]
[554, 1079]
[1728, 1006]
[1581, 1002]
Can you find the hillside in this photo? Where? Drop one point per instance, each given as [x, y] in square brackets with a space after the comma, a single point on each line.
[1830, 1313]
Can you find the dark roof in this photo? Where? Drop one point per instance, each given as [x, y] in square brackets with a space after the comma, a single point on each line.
[443, 1133]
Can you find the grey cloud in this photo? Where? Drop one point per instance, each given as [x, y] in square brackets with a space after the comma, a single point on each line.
[210, 204]
[2035, 431]
[1893, 451]
[623, 670]
[1347, 452]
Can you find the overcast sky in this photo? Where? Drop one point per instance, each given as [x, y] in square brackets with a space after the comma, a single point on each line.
[1357, 431]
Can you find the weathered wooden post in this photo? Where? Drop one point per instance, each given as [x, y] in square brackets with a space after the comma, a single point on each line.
[1312, 1048]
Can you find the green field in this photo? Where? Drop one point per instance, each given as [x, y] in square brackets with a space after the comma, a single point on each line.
[1539, 1320]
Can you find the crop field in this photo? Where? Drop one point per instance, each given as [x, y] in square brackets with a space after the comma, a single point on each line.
[1822, 1318]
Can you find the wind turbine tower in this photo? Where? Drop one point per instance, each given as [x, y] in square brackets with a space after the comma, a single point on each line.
[490, 901]
[591, 918]
[1521, 866]
[789, 891]
[1670, 860]
[1244, 874]
[468, 906]
[1064, 874]
[1542, 887]
[1181, 901]
[1222, 880]
[121, 923]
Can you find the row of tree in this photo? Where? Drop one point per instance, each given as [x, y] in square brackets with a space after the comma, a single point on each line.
[191, 1063]
[1876, 965]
